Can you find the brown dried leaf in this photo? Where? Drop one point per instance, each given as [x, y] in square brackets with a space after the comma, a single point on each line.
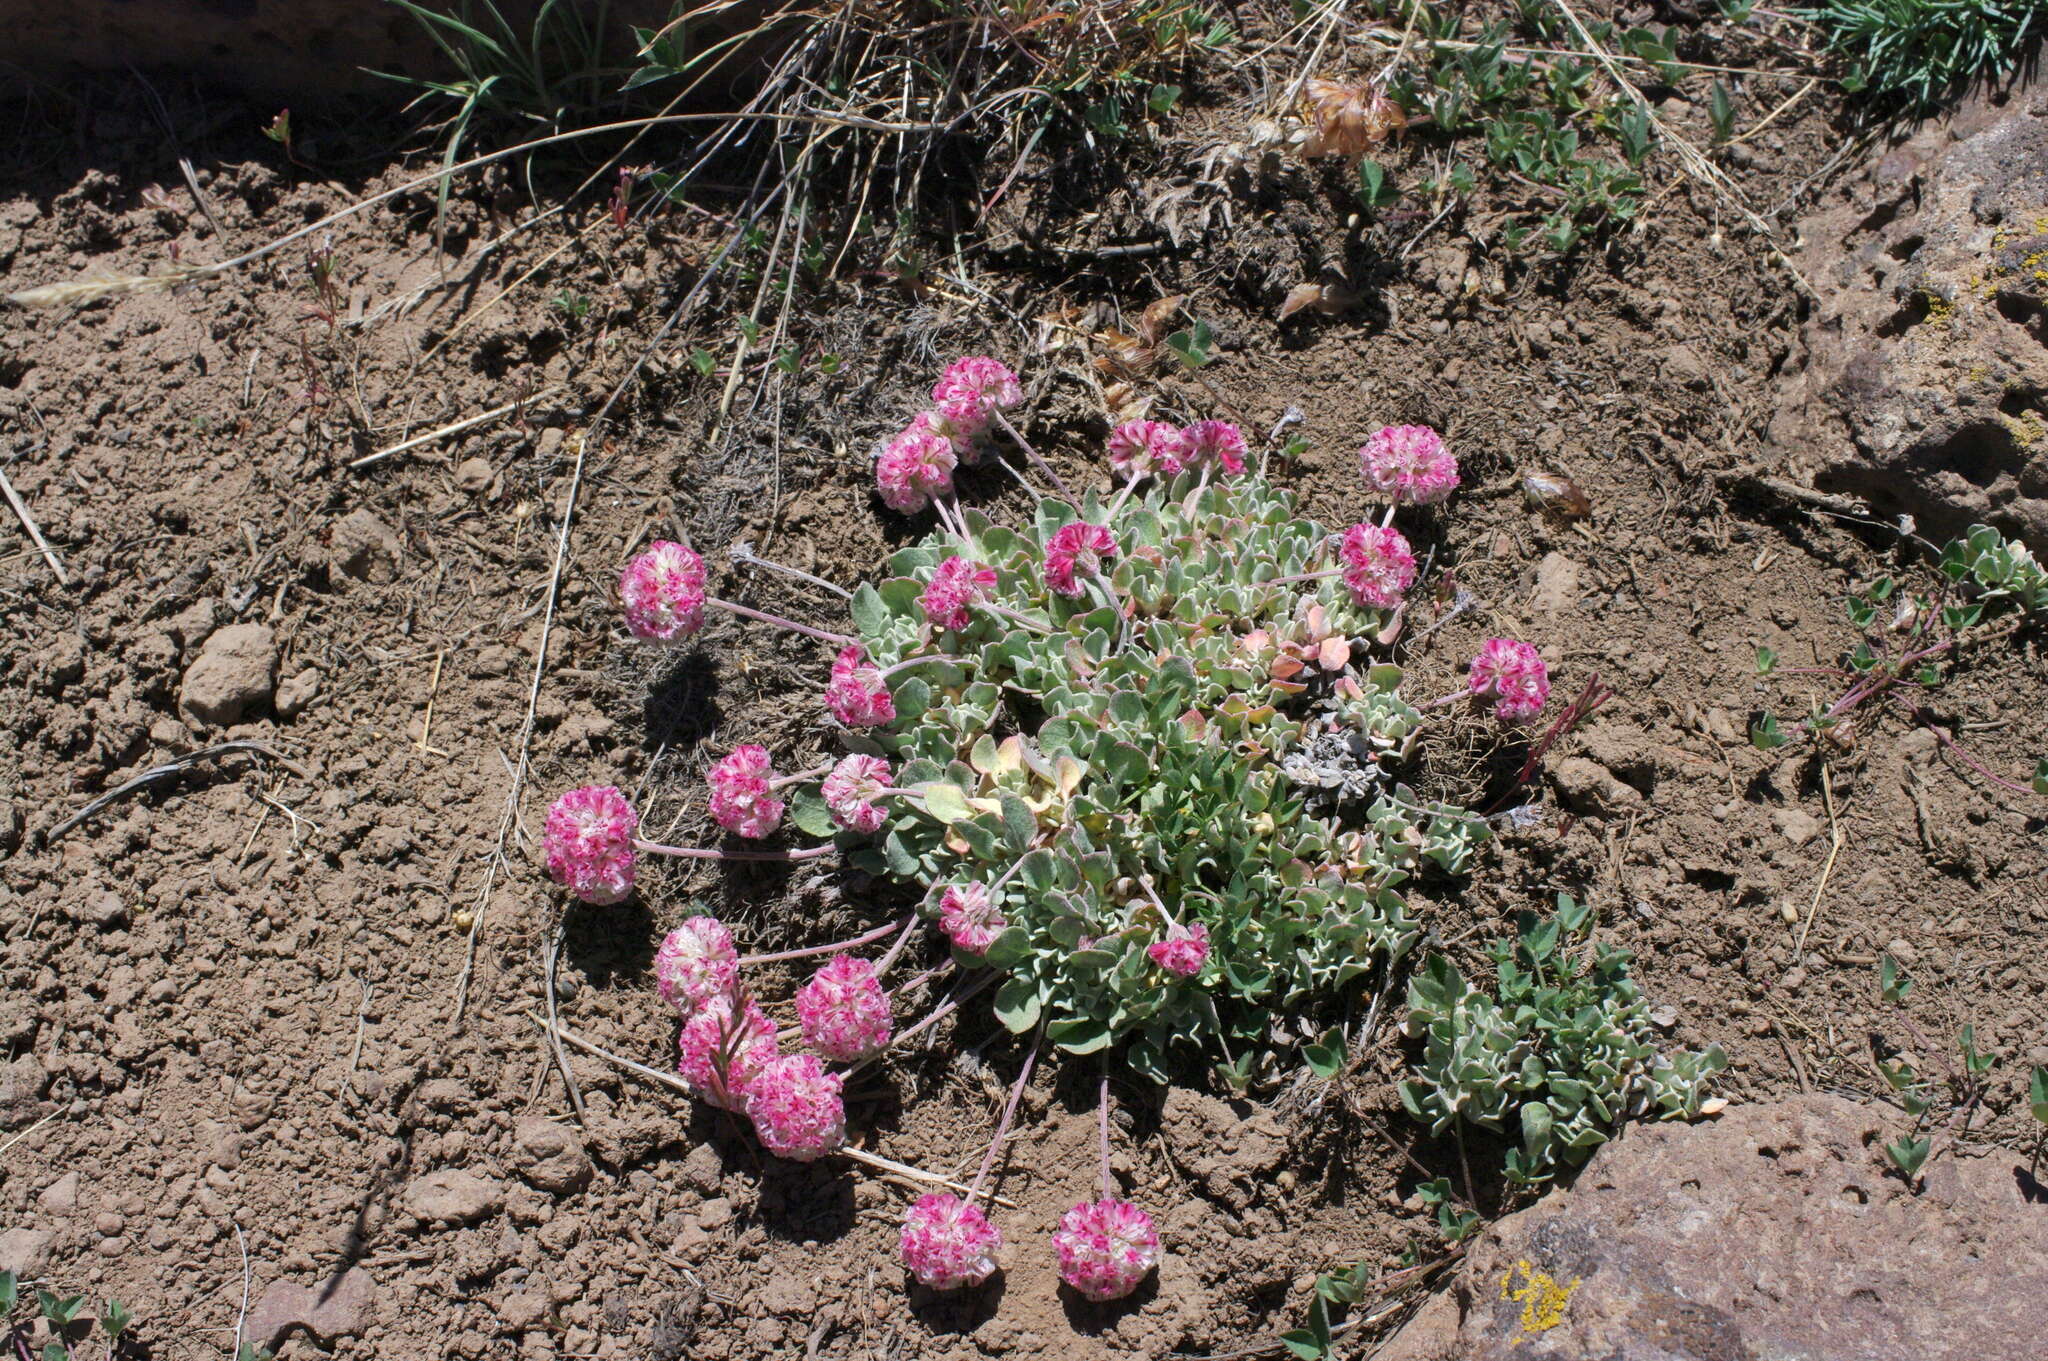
[1329, 299]
[1348, 120]
[1557, 494]
[1154, 321]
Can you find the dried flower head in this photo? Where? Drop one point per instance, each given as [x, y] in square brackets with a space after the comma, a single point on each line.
[970, 919]
[853, 792]
[588, 841]
[1106, 1247]
[843, 1010]
[857, 694]
[1137, 448]
[1219, 442]
[1378, 565]
[1348, 120]
[1182, 950]
[948, 1243]
[723, 1047]
[741, 801]
[796, 1109]
[956, 584]
[662, 591]
[1514, 675]
[1076, 551]
[917, 465]
[1409, 463]
[696, 962]
[974, 386]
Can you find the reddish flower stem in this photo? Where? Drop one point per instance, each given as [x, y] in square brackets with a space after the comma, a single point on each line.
[1031, 454]
[988, 1160]
[714, 853]
[1102, 1122]
[746, 612]
[865, 938]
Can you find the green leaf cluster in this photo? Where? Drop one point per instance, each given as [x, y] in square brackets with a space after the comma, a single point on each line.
[1559, 1055]
[1913, 54]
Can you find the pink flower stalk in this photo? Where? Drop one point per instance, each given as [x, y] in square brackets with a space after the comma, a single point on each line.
[853, 792]
[948, 1243]
[843, 1010]
[957, 584]
[795, 1106]
[1514, 675]
[663, 593]
[1378, 565]
[1140, 447]
[740, 798]
[1181, 950]
[588, 840]
[857, 695]
[696, 962]
[970, 919]
[1409, 463]
[973, 387]
[1215, 441]
[917, 465]
[720, 1054]
[1106, 1248]
[1076, 551]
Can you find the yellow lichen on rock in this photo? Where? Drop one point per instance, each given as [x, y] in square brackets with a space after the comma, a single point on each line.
[1543, 1300]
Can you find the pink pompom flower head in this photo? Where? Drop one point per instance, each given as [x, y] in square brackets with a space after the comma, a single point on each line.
[857, 695]
[917, 465]
[1513, 675]
[1140, 447]
[796, 1108]
[970, 919]
[973, 387]
[1217, 442]
[662, 591]
[588, 840]
[948, 1243]
[1106, 1248]
[957, 584]
[1379, 567]
[723, 1048]
[1182, 950]
[1076, 551]
[741, 801]
[853, 792]
[843, 1010]
[1409, 463]
[695, 963]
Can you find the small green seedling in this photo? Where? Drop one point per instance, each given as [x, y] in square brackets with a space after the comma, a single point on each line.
[1455, 1224]
[2037, 1095]
[1195, 346]
[1892, 983]
[1908, 1154]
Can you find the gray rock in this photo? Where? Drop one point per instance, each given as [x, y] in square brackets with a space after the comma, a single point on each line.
[337, 1307]
[21, 1091]
[364, 547]
[1559, 581]
[103, 909]
[452, 1197]
[473, 474]
[60, 1197]
[1917, 380]
[1589, 787]
[527, 1309]
[24, 1251]
[297, 691]
[549, 1156]
[234, 673]
[1775, 1232]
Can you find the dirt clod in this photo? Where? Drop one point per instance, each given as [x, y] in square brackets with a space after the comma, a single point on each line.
[234, 673]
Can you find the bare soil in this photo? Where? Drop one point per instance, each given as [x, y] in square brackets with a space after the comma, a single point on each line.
[265, 1001]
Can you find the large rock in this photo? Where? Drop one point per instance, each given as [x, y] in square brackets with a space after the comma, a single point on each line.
[549, 1156]
[337, 1307]
[453, 1197]
[1773, 1234]
[1923, 382]
[234, 673]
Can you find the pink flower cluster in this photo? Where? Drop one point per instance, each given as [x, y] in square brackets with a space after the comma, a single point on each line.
[1409, 463]
[741, 801]
[853, 792]
[663, 593]
[957, 584]
[588, 842]
[917, 466]
[969, 919]
[796, 1108]
[857, 695]
[723, 1048]
[1138, 448]
[696, 962]
[1106, 1247]
[948, 1243]
[1378, 565]
[1182, 950]
[843, 1010]
[1075, 551]
[1513, 675]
